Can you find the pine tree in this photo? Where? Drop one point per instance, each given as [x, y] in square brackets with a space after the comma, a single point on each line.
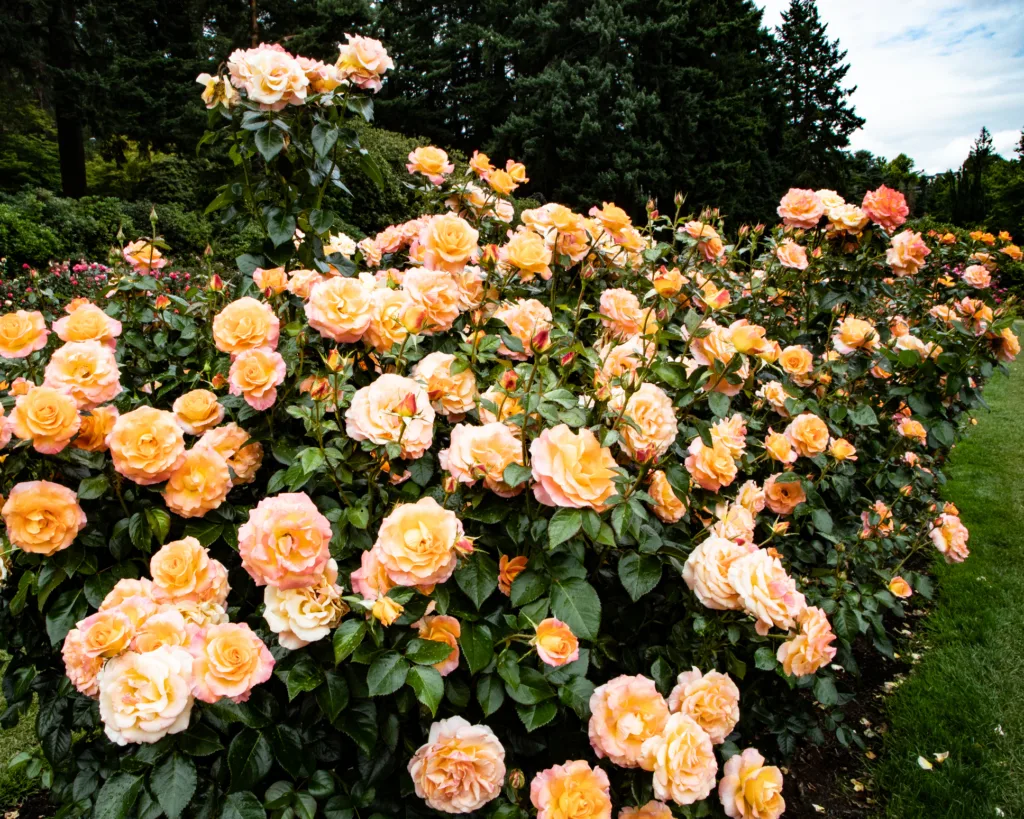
[810, 72]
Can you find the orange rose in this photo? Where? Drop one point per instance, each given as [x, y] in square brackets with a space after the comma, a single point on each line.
[431, 162]
[96, 426]
[442, 629]
[256, 375]
[501, 181]
[245, 324]
[900, 587]
[572, 469]
[87, 322]
[22, 334]
[143, 256]
[779, 447]
[667, 505]
[801, 208]
[508, 571]
[273, 279]
[612, 217]
[448, 242]
[184, 570]
[529, 320]
[228, 661]
[529, 254]
[808, 434]
[797, 362]
[197, 411]
[783, 498]
[199, 485]
[842, 450]
[340, 308]
[243, 459]
[437, 294]
[42, 517]
[146, 445]
[712, 467]
[47, 417]
[483, 452]
[450, 395]
[87, 370]
[555, 643]
[571, 791]
[393, 315]
[854, 334]
[417, 543]
[625, 712]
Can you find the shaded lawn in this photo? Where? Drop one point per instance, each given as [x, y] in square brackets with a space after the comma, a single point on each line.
[967, 694]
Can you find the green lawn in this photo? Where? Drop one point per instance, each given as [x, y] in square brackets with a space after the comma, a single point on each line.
[967, 694]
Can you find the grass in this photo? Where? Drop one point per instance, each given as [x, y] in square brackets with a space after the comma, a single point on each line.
[967, 694]
[14, 786]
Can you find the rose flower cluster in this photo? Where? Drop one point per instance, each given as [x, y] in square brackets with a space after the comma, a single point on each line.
[532, 507]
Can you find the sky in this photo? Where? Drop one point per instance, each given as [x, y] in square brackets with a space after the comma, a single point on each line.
[929, 73]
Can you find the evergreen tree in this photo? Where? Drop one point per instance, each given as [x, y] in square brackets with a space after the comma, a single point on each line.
[810, 72]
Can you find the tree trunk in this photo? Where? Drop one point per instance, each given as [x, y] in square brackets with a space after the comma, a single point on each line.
[70, 135]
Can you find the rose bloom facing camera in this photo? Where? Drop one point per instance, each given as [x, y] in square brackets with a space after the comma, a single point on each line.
[460, 768]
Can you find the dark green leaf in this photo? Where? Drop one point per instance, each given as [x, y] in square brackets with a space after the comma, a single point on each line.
[173, 783]
[347, 638]
[639, 573]
[427, 652]
[66, 610]
[249, 759]
[477, 646]
[117, 796]
[564, 524]
[428, 685]
[575, 603]
[269, 142]
[387, 674]
[478, 578]
[490, 693]
[332, 696]
[242, 805]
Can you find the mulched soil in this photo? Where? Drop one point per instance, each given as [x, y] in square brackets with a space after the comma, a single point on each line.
[35, 806]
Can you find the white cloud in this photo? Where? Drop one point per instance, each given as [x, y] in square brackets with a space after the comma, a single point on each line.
[930, 73]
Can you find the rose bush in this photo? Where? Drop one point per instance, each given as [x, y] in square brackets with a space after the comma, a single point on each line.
[487, 513]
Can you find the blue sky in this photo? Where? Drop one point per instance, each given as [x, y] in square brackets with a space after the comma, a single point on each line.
[930, 73]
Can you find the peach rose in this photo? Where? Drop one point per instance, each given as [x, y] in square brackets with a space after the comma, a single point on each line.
[731, 433]
[573, 790]
[147, 445]
[451, 395]
[950, 537]
[46, 416]
[555, 643]
[790, 254]
[886, 207]
[977, 276]
[801, 208]
[572, 469]
[431, 162]
[340, 308]
[909, 428]
[854, 334]
[779, 447]
[735, 521]
[783, 497]
[256, 375]
[165, 628]
[143, 257]
[482, 452]
[87, 370]
[808, 434]
[706, 572]
[460, 768]
[907, 254]
[528, 253]
[751, 497]
[621, 362]
[712, 467]
[105, 634]
[437, 295]
[667, 505]
[393, 315]
[245, 324]
[302, 616]
[371, 578]
[285, 542]
[87, 322]
[197, 411]
[624, 713]
[184, 570]
[848, 218]
[273, 280]
[228, 661]
[769, 595]
[501, 181]
[506, 406]
[42, 518]
[81, 668]
[144, 697]
[810, 649]
[749, 789]
[712, 700]
[528, 320]
[363, 61]
[442, 629]
[683, 760]
[449, 242]
[651, 410]
[270, 76]
[22, 333]
[652, 810]
[243, 458]
[392, 410]
[199, 484]
[202, 614]
[899, 587]
[417, 543]
[470, 283]
[797, 362]
[301, 282]
[842, 450]
[386, 610]
[611, 217]
[129, 587]
[1007, 345]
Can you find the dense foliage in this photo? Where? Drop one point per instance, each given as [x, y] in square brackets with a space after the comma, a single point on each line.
[609, 503]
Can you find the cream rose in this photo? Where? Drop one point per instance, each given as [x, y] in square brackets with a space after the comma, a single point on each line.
[392, 410]
[460, 768]
[683, 760]
[144, 697]
[451, 395]
[303, 616]
[624, 713]
[767, 592]
[706, 572]
[712, 700]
